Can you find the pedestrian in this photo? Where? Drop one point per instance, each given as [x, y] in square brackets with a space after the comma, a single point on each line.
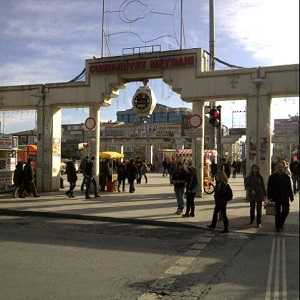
[82, 168]
[121, 171]
[256, 194]
[280, 191]
[227, 168]
[71, 177]
[29, 184]
[179, 181]
[191, 190]
[144, 171]
[131, 175]
[138, 164]
[213, 169]
[171, 169]
[295, 169]
[165, 167]
[222, 194]
[90, 178]
[234, 169]
[18, 180]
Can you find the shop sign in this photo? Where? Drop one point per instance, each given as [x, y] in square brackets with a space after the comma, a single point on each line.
[142, 65]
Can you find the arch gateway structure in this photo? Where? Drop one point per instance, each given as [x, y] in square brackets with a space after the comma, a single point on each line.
[186, 72]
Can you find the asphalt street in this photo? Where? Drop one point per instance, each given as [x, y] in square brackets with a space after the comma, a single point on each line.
[44, 258]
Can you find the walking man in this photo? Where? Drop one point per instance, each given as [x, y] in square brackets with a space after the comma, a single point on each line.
[90, 178]
[179, 180]
[280, 191]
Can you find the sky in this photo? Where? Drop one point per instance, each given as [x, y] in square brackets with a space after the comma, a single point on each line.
[44, 41]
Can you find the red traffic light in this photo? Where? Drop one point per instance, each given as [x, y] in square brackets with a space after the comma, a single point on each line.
[214, 117]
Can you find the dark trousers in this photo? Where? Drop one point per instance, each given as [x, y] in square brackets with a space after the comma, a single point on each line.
[282, 211]
[121, 182]
[190, 203]
[131, 185]
[83, 183]
[71, 189]
[88, 181]
[258, 205]
[30, 188]
[220, 208]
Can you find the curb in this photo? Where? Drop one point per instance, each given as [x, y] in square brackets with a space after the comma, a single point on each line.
[53, 215]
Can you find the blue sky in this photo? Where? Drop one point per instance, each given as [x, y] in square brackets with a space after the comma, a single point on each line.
[48, 41]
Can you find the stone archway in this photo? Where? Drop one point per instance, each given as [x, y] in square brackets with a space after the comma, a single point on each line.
[186, 72]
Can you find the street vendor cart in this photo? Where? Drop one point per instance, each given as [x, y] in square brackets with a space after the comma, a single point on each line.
[8, 161]
[108, 170]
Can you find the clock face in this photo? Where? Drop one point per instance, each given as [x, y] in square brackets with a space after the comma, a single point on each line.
[142, 102]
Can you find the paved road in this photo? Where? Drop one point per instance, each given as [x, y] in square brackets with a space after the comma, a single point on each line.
[68, 259]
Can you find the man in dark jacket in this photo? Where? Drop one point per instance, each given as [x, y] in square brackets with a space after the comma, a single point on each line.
[280, 191]
[179, 180]
[28, 179]
[72, 178]
[90, 178]
[19, 180]
[121, 171]
[132, 173]
[295, 170]
[191, 190]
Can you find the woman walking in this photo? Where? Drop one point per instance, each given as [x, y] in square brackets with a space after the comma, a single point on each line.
[223, 194]
[256, 194]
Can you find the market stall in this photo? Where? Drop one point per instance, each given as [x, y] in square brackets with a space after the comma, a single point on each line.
[108, 169]
[8, 161]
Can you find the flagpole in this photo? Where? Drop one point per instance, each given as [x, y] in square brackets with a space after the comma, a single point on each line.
[181, 25]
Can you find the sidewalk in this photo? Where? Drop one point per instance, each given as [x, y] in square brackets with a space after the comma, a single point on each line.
[153, 203]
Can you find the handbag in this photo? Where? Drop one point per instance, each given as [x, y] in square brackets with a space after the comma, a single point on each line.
[270, 208]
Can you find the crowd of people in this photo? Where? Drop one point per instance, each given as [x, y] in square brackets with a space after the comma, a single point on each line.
[282, 184]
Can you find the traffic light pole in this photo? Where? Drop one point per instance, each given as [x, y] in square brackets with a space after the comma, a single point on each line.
[211, 129]
[219, 137]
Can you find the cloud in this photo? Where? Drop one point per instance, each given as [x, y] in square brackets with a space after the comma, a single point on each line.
[268, 29]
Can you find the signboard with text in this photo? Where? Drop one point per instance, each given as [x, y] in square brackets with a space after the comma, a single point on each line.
[143, 64]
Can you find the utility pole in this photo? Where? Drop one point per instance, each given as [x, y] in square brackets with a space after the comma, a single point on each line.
[181, 24]
[102, 39]
[211, 129]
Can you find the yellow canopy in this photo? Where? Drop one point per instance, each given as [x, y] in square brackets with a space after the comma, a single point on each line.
[111, 155]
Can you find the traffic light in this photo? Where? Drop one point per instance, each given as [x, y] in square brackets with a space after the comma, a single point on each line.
[215, 116]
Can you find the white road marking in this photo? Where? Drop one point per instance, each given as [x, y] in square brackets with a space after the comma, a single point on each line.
[149, 296]
[277, 270]
[181, 265]
[176, 270]
[269, 284]
[284, 279]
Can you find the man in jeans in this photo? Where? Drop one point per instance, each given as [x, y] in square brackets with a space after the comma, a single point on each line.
[179, 181]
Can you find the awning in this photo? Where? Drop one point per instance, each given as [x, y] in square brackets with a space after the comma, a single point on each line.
[111, 155]
[184, 152]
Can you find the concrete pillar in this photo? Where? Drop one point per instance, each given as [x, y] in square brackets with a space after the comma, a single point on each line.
[49, 148]
[122, 152]
[252, 133]
[149, 153]
[259, 134]
[94, 142]
[198, 146]
[265, 137]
